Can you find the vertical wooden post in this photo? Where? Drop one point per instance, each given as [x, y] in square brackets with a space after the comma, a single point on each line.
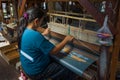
[15, 5]
[51, 9]
[115, 53]
[22, 8]
[1, 12]
[1, 18]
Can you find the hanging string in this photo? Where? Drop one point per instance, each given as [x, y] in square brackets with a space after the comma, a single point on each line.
[82, 42]
[79, 29]
[69, 29]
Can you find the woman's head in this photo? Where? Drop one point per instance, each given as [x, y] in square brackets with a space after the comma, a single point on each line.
[33, 13]
[33, 16]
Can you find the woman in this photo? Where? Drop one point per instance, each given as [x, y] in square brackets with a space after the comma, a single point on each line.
[34, 48]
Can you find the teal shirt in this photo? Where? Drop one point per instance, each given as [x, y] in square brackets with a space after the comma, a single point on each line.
[34, 53]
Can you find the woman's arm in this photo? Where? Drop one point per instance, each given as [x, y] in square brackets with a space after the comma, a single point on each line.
[59, 46]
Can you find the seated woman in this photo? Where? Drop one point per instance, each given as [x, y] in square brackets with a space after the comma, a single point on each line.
[34, 49]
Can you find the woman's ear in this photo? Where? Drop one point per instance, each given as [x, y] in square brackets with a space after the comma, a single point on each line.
[36, 21]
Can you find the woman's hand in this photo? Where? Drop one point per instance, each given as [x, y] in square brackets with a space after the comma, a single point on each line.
[46, 32]
[69, 38]
[61, 45]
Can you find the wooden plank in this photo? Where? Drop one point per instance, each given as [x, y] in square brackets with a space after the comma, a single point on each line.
[10, 53]
[89, 74]
[11, 57]
[8, 46]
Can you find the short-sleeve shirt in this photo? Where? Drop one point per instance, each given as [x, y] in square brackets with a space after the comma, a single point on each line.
[34, 53]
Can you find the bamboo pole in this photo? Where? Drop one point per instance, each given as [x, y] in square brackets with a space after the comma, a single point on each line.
[71, 13]
[66, 16]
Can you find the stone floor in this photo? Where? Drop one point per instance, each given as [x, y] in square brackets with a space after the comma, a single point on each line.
[7, 72]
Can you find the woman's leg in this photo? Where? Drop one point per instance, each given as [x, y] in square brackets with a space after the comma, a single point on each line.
[55, 71]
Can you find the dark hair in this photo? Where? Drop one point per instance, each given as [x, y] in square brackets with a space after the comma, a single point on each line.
[28, 17]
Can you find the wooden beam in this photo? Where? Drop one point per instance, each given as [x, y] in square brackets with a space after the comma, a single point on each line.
[92, 10]
[22, 8]
[59, 0]
[112, 12]
[99, 17]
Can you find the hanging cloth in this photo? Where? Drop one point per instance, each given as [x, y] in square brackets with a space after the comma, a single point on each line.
[104, 34]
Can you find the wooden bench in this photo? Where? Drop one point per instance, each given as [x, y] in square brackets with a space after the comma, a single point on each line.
[10, 53]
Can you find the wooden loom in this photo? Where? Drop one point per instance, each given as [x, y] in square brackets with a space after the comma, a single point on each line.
[99, 18]
[82, 38]
[87, 73]
[65, 29]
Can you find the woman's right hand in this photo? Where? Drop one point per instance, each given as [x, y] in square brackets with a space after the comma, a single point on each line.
[69, 38]
[46, 31]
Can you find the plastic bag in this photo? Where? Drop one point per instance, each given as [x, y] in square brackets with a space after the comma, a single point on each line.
[104, 34]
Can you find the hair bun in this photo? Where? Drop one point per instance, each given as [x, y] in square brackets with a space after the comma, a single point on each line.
[26, 15]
